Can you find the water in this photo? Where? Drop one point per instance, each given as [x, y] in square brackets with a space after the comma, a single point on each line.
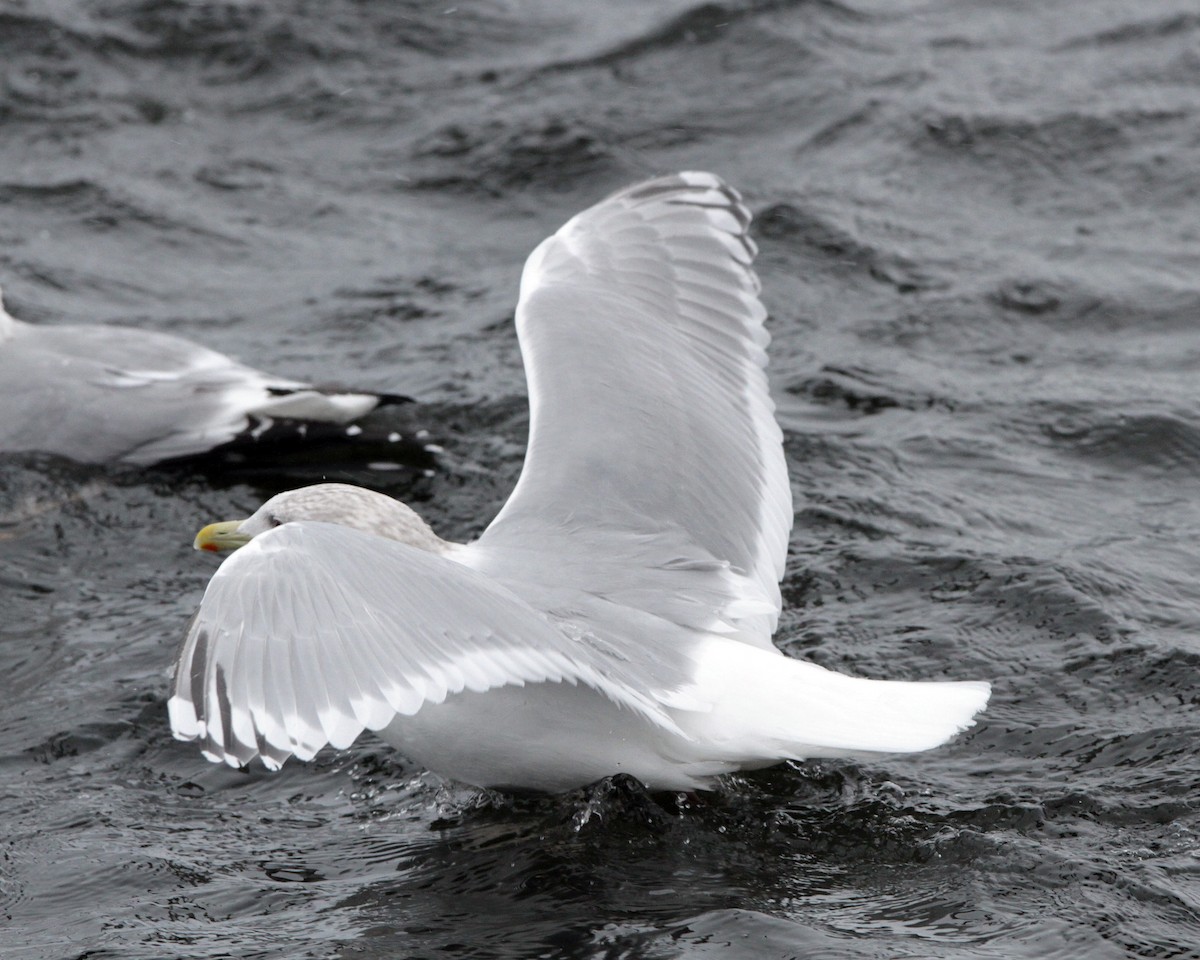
[980, 250]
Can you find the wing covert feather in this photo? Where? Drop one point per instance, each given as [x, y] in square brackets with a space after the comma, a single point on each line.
[644, 349]
[314, 632]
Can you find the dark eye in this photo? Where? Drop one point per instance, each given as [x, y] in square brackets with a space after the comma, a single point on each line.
[273, 520]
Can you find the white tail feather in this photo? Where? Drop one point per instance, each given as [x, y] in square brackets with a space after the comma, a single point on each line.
[767, 706]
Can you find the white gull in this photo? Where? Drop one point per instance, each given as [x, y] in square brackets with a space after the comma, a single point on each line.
[616, 616]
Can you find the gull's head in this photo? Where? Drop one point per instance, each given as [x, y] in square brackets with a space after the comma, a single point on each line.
[339, 503]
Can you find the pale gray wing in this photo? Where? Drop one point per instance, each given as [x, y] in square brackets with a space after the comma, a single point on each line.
[314, 632]
[98, 394]
[655, 464]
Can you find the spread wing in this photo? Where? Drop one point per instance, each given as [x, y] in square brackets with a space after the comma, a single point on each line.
[314, 632]
[650, 421]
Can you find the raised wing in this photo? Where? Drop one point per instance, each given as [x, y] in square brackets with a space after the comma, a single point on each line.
[314, 632]
[643, 341]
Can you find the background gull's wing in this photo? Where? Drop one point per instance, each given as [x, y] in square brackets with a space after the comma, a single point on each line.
[655, 466]
[110, 393]
[314, 632]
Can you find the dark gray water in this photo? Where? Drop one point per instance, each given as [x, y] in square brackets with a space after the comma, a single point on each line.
[980, 235]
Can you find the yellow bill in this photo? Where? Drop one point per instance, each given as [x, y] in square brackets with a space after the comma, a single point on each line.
[220, 537]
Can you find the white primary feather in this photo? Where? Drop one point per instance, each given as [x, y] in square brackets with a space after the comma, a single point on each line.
[642, 335]
[361, 629]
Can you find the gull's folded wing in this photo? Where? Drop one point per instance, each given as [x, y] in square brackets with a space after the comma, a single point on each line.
[314, 632]
[643, 341]
[100, 393]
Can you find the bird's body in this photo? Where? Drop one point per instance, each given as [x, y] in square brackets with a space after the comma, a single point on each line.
[101, 394]
[747, 710]
[616, 616]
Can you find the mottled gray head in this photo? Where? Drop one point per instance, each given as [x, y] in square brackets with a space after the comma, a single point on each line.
[339, 503]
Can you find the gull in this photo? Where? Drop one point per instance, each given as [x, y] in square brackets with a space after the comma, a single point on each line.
[616, 615]
[111, 394]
